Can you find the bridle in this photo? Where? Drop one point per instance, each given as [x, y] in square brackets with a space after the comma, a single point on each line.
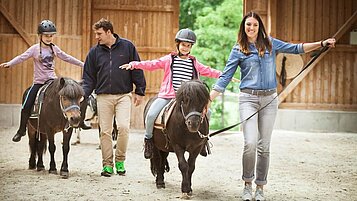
[194, 113]
[64, 110]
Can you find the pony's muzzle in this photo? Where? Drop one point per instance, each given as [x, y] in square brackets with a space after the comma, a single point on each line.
[193, 123]
[74, 121]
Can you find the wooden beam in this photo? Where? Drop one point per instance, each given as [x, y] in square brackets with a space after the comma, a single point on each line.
[345, 27]
[141, 8]
[16, 25]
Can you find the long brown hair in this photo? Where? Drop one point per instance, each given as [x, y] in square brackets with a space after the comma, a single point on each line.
[262, 42]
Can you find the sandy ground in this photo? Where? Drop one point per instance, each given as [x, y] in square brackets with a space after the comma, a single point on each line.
[304, 166]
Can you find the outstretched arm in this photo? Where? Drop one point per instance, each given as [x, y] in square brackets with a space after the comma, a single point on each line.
[308, 47]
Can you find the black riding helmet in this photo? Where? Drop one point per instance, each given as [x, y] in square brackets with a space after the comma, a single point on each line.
[186, 35]
[46, 27]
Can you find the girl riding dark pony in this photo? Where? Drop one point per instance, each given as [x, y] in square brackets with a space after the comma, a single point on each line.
[186, 131]
[60, 112]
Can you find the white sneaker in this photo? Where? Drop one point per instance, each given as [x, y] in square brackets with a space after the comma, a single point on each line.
[259, 195]
[247, 193]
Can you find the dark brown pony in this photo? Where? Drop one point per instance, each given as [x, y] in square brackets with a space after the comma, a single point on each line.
[60, 112]
[186, 131]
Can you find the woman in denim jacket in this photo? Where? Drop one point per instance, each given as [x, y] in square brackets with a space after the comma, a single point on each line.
[255, 54]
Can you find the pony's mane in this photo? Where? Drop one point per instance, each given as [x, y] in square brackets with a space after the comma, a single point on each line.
[193, 92]
[71, 89]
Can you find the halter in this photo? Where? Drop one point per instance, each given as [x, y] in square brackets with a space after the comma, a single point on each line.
[194, 113]
[64, 110]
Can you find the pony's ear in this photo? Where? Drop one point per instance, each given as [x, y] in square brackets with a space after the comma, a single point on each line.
[62, 82]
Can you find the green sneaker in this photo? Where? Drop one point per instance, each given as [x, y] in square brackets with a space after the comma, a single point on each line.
[107, 171]
[120, 167]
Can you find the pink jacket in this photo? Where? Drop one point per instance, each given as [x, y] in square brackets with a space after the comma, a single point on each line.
[166, 89]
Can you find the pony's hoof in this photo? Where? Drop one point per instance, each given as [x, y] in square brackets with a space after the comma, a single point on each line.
[186, 196]
[32, 167]
[64, 174]
[160, 185]
[40, 168]
[52, 171]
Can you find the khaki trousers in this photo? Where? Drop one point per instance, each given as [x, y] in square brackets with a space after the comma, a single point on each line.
[110, 106]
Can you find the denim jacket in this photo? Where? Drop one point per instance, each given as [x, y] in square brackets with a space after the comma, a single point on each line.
[256, 72]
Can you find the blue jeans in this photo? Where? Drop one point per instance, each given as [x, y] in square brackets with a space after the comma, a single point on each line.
[257, 135]
[152, 114]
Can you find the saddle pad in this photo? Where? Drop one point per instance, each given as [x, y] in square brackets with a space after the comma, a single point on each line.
[36, 108]
[164, 115]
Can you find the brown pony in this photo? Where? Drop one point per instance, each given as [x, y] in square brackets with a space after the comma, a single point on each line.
[60, 112]
[186, 131]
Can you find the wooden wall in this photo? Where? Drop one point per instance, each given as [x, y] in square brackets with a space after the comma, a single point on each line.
[150, 24]
[332, 82]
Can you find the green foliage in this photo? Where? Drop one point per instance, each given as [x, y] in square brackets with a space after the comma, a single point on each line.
[216, 24]
[190, 9]
[217, 33]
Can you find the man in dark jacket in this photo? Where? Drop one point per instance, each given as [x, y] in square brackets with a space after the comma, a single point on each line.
[113, 87]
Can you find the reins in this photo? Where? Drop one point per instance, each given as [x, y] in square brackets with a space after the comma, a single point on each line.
[304, 68]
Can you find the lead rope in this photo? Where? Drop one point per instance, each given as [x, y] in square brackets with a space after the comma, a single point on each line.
[325, 48]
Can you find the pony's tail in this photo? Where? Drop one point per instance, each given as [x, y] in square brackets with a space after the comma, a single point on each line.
[159, 159]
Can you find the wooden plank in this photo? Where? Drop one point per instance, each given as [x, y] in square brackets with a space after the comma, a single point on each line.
[25, 36]
[86, 31]
[298, 79]
[348, 88]
[333, 85]
[320, 106]
[354, 79]
[340, 78]
[141, 8]
[296, 19]
[272, 16]
[155, 49]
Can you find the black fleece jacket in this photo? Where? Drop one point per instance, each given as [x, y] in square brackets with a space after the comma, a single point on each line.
[102, 73]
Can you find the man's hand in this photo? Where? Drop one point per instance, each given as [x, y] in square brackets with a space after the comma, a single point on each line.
[138, 99]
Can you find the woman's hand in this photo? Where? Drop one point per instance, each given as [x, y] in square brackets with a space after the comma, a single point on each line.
[235, 80]
[126, 67]
[330, 42]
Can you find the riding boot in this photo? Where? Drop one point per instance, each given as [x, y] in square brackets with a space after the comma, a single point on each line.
[83, 107]
[25, 115]
[149, 145]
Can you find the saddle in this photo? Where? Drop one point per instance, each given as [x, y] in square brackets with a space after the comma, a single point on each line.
[37, 106]
[164, 115]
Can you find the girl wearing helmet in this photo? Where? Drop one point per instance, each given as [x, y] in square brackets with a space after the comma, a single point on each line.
[43, 54]
[178, 67]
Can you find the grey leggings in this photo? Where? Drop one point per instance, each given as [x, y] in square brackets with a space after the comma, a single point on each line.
[152, 114]
[257, 135]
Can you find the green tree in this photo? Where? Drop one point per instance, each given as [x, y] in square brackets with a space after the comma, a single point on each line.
[190, 9]
[216, 29]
